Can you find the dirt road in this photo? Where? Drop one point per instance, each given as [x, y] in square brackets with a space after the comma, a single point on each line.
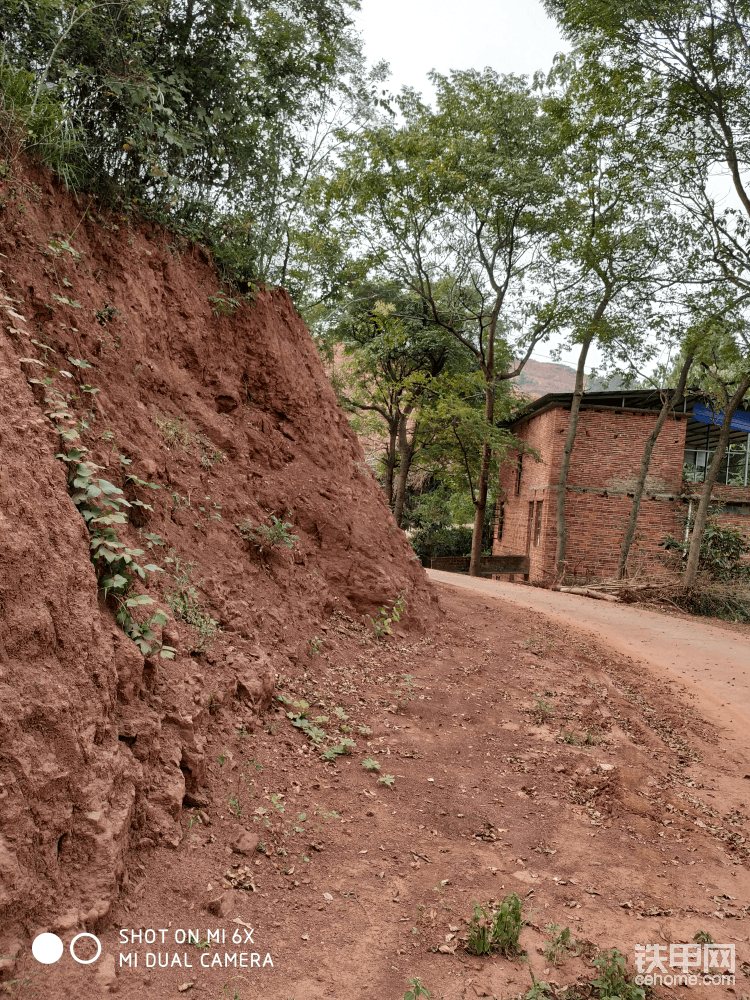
[716, 660]
[521, 755]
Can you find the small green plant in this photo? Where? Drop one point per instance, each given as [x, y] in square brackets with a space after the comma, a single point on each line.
[539, 990]
[497, 929]
[106, 314]
[314, 645]
[298, 715]
[174, 430]
[561, 945]
[59, 248]
[382, 624]
[479, 939]
[613, 981]
[543, 710]
[210, 456]
[102, 506]
[703, 937]
[265, 536]
[223, 304]
[369, 764]
[418, 989]
[194, 819]
[389, 780]
[235, 807]
[341, 749]
[186, 604]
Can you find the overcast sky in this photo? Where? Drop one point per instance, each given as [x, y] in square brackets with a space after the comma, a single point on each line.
[415, 36]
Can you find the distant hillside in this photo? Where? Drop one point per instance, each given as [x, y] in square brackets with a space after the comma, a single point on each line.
[540, 377]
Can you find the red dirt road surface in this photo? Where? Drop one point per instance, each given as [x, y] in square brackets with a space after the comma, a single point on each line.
[528, 757]
[680, 648]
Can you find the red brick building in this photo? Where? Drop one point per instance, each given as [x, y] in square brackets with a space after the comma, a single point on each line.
[612, 431]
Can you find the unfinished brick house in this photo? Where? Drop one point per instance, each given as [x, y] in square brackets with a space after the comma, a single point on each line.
[612, 430]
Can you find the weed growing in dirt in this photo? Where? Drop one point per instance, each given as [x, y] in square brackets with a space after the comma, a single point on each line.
[542, 711]
[265, 536]
[25, 984]
[418, 989]
[341, 749]
[382, 624]
[539, 990]
[186, 604]
[210, 456]
[403, 697]
[174, 430]
[389, 780]
[106, 314]
[613, 981]
[588, 739]
[496, 929]
[561, 945]
[299, 717]
[703, 937]
[223, 304]
[103, 507]
[369, 764]
[314, 645]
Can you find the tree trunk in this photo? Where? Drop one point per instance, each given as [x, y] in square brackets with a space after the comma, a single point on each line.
[669, 404]
[390, 461]
[406, 453]
[480, 505]
[701, 515]
[570, 437]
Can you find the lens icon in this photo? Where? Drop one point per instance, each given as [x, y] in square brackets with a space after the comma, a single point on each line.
[47, 948]
[86, 961]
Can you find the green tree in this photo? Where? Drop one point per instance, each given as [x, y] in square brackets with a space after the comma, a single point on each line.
[693, 58]
[394, 363]
[456, 204]
[621, 234]
[191, 108]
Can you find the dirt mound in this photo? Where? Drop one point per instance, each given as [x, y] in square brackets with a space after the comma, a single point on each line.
[206, 412]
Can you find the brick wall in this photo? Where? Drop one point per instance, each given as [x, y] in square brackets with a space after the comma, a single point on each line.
[604, 465]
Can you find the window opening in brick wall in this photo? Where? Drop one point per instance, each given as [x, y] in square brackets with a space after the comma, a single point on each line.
[499, 519]
[518, 475]
[529, 526]
[538, 524]
[700, 447]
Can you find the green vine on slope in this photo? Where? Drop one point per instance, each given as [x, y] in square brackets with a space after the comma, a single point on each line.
[103, 507]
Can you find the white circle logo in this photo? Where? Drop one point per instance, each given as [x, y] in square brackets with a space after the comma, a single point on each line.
[47, 948]
[86, 961]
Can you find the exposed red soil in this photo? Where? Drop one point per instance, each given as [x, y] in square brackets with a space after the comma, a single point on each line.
[637, 838]
[232, 418]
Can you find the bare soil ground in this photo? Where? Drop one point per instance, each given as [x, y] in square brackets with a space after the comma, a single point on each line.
[527, 758]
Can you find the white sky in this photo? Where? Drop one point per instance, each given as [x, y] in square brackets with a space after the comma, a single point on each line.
[415, 36]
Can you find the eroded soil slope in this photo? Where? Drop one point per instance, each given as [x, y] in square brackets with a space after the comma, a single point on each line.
[209, 414]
